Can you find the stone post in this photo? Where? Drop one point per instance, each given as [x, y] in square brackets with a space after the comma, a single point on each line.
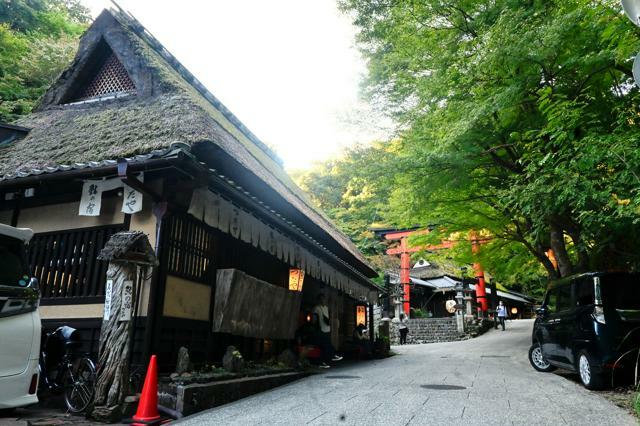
[459, 307]
[468, 302]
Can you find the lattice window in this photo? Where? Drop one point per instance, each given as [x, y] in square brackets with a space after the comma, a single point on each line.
[189, 251]
[112, 78]
[65, 262]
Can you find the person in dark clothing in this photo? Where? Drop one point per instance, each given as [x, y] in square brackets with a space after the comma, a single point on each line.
[502, 313]
[404, 330]
[321, 316]
[361, 339]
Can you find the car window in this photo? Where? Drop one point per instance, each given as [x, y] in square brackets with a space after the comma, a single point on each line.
[620, 291]
[584, 292]
[564, 298]
[13, 268]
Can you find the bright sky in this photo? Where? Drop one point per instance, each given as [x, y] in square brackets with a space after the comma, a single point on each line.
[288, 69]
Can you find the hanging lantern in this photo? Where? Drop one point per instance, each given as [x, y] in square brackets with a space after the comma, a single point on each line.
[296, 279]
[514, 311]
[361, 315]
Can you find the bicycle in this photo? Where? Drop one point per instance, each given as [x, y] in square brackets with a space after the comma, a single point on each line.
[62, 371]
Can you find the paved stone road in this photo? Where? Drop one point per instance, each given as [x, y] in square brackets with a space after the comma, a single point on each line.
[495, 385]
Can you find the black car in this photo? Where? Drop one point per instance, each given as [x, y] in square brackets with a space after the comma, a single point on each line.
[590, 324]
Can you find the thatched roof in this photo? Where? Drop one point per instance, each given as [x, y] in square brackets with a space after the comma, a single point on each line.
[427, 272]
[170, 106]
[128, 245]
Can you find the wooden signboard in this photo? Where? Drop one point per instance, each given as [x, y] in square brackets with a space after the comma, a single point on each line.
[247, 306]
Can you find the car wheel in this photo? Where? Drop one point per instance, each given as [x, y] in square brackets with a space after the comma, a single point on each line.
[537, 359]
[589, 378]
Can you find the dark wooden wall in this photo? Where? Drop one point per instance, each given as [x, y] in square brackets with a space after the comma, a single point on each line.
[194, 251]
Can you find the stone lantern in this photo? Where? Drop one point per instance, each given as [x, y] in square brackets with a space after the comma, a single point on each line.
[459, 288]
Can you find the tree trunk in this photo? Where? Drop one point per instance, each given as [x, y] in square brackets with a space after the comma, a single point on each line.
[556, 240]
[112, 384]
[584, 261]
[538, 251]
[541, 255]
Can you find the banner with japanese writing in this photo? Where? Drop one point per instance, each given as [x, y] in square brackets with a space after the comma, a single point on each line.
[131, 200]
[91, 198]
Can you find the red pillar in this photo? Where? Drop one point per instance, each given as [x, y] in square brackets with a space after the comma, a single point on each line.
[405, 265]
[481, 292]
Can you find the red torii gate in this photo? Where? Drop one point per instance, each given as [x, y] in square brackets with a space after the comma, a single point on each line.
[405, 263]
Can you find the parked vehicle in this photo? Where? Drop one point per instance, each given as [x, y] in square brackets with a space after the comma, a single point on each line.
[590, 324]
[64, 371]
[19, 321]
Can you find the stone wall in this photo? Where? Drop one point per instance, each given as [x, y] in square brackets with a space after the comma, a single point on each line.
[428, 330]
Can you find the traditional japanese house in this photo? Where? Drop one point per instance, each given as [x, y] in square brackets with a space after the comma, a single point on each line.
[128, 139]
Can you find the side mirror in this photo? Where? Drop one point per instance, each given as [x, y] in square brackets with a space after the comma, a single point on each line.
[541, 311]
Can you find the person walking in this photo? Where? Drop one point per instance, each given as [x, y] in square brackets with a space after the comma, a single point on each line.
[501, 311]
[323, 320]
[404, 330]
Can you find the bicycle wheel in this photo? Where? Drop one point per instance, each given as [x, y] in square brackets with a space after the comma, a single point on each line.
[79, 385]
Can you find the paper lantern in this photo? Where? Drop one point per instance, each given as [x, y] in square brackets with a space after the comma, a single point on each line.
[296, 279]
[361, 315]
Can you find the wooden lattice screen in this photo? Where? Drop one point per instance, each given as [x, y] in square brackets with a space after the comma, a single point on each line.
[65, 262]
[112, 78]
[190, 245]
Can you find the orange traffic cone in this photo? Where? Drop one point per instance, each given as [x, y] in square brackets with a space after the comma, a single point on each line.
[148, 407]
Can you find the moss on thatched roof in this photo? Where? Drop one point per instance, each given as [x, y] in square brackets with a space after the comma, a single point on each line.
[170, 106]
[128, 246]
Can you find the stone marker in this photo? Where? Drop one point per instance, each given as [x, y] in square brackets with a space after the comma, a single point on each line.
[182, 366]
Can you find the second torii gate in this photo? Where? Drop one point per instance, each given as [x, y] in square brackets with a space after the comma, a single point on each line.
[404, 251]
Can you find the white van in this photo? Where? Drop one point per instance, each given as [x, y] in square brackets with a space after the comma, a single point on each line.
[19, 321]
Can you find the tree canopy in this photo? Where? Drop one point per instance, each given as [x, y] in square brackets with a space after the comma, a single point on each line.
[519, 121]
[38, 39]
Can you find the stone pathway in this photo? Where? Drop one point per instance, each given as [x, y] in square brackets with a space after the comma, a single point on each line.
[482, 381]
[50, 412]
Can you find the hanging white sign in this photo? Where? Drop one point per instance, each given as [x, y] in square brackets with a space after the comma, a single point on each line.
[107, 300]
[131, 200]
[126, 301]
[91, 198]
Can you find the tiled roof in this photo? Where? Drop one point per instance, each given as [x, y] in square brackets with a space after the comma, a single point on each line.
[158, 153]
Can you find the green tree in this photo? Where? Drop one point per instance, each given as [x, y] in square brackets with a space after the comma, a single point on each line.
[38, 39]
[521, 121]
[353, 190]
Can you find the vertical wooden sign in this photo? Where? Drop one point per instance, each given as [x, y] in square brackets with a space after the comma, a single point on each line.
[107, 300]
[126, 300]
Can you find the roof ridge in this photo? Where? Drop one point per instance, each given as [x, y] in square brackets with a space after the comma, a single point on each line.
[134, 25]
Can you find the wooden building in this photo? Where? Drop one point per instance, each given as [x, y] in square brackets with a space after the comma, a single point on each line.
[432, 285]
[128, 139]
